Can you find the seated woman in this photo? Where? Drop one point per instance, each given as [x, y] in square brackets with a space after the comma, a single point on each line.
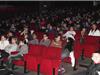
[10, 48]
[22, 50]
[3, 42]
[56, 42]
[94, 31]
[34, 40]
[45, 41]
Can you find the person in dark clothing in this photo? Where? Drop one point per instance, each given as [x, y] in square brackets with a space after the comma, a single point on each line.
[94, 67]
[69, 52]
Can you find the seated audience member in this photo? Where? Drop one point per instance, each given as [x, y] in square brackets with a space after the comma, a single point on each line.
[96, 57]
[30, 37]
[70, 33]
[10, 48]
[26, 39]
[34, 40]
[9, 35]
[94, 31]
[69, 52]
[94, 68]
[45, 41]
[57, 42]
[83, 33]
[22, 49]
[25, 31]
[3, 42]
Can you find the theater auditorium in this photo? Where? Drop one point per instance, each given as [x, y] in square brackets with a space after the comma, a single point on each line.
[50, 37]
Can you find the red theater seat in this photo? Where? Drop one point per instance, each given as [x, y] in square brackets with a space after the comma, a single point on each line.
[47, 57]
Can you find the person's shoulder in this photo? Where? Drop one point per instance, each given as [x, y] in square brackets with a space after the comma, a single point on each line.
[6, 41]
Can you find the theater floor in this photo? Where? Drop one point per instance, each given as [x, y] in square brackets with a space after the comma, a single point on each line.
[69, 70]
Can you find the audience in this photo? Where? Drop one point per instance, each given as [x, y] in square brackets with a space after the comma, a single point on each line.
[54, 22]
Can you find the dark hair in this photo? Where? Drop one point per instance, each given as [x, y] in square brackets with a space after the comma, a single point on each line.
[13, 37]
[95, 25]
[46, 34]
[97, 51]
[57, 35]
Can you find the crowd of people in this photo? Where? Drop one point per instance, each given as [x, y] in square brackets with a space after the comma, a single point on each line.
[17, 32]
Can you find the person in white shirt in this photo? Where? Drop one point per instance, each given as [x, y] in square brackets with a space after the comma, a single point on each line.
[3, 42]
[94, 31]
[71, 33]
[10, 48]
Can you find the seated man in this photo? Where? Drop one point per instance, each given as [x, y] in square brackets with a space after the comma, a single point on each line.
[45, 41]
[34, 40]
[94, 68]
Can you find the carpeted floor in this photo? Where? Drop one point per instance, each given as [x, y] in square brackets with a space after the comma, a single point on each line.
[69, 71]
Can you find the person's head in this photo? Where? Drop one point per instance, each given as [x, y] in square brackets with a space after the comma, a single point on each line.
[21, 42]
[57, 38]
[71, 28]
[83, 30]
[94, 27]
[34, 36]
[45, 36]
[25, 28]
[3, 38]
[13, 40]
[10, 34]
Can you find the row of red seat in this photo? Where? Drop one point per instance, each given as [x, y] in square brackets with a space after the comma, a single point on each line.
[47, 57]
[50, 57]
[89, 46]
